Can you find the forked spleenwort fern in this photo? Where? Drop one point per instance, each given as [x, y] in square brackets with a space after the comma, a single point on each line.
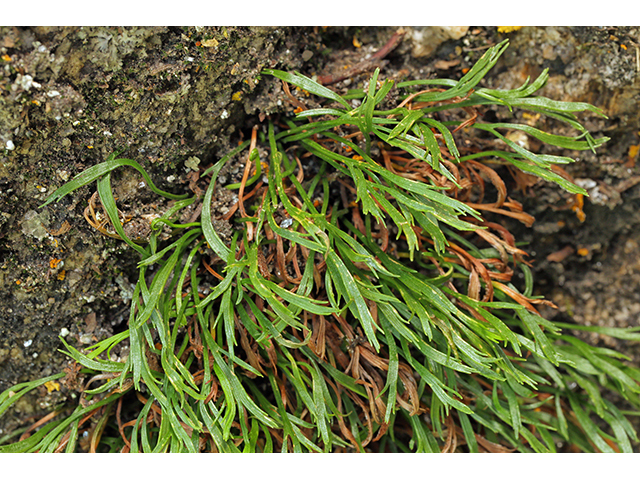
[362, 302]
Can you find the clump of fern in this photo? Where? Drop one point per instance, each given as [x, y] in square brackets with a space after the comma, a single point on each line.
[362, 302]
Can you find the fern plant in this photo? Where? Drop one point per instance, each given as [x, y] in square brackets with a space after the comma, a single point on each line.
[362, 302]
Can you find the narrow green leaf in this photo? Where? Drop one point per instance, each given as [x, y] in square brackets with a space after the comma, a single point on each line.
[531, 324]
[30, 443]
[307, 84]
[357, 304]
[392, 375]
[589, 427]
[92, 174]
[469, 434]
[514, 409]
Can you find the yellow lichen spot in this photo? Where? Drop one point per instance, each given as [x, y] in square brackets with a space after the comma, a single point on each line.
[62, 274]
[622, 45]
[51, 386]
[236, 96]
[356, 42]
[583, 252]
[53, 263]
[531, 118]
[508, 29]
[36, 102]
[6, 58]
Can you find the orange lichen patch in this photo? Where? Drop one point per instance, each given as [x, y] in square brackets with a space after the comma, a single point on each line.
[6, 58]
[583, 252]
[633, 155]
[577, 206]
[622, 45]
[356, 42]
[51, 386]
[62, 274]
[357, 157]
[54, 262]
[298, 110]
